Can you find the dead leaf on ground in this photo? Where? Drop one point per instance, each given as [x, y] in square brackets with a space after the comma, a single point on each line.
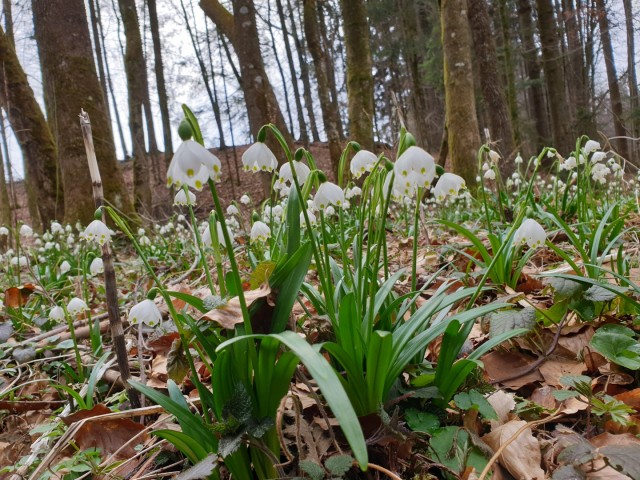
[631, 398]
[109, 435]
[543, 396]
[503, 403]
[503, 365]
[556, 367]
[230, 315]
[16, 297]
[522, 456]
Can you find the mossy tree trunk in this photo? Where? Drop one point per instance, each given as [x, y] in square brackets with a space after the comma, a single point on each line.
[241, 30]
[491, 82]
[70, 84]
[137, 87]
[554, 76]
[462, 124]
[330, 113]
[359, 71]
[33, 134]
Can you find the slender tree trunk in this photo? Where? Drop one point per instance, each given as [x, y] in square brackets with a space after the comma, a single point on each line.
[330, 113]
[462, 125]
[162, 88]
[70, 84]
[509, 70]
[554, 75]
[532, 71]
[33, 134]
[634, 101]
[491, 85]
[136, 69]
[241, 30]
[98, 47]
[359, 71]
[5, 203]
[9, 172]
[612, 78]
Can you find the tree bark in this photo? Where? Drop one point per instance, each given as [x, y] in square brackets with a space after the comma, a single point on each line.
[491, 82]
[95, 30]
[70, 83]
[612, 79]
[330, 113]
[359, 71]
[162, 88]
[138, 89]
[33, 134]
[634, 101]
[5, 203]
[462, 125]
[554, 76]
[241, 30]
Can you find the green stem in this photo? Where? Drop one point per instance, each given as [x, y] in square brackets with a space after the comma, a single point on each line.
[200, 246]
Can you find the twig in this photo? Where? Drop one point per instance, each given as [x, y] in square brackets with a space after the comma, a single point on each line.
[503, 447]
[387, 472]
[117, 333]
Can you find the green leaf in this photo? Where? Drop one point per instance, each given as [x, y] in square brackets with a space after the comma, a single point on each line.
[338, 465]
[624, 458]
[293, 222]
[193, 122]
[420, 421]
[597, 293]
[508, 320]
[474, 399]
[188, 445]
[452, 447]
[261, 274]
[311, 468]
[565, 394]
[564, 288]
[617, 345]
[195, 302]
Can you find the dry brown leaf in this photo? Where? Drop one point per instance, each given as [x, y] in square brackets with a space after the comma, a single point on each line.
[522, 456]
[109, 435]
[555, 367]
[503, 403]
[631, 398]
[543, 396]
[502, 365]
[230, 314]
[15, 297]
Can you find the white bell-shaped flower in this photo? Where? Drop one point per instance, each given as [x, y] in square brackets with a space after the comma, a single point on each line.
[597, 157]
[259, 158]
[76, 306]
[193, 165]
[328, 194]
[245, 200]
[349, 193]
[232, 210]
[97, 232]
[285, 176]
[146, 312]
[448, 184]
[591, 146]
[414, 169]
[4, 231]
[184, 198]
[26, 231]
[56, 228]
[260, 231]
[96, 267]
[56, 314]
[65, 267]
[490, 174]
[362, 162]
[531, 233]
[205, 235]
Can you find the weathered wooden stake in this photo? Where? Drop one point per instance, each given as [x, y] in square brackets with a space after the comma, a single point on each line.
[117, 333]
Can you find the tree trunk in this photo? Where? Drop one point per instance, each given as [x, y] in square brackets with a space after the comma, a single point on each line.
[95, 28]
[491, 83]
[138, 89]
[508, 68]
[33, 134]
[162, 89]
[532, 71]
[359, 71]
[554, 76]
[5, 203]
[70, 83]
[330, 113]
[612, 79]
[634, 101]
[241, 30]
[9, 172]
[462, 125]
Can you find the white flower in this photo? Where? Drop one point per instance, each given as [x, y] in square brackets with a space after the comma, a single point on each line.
[193, 165]
[531, 233]
[19, 261]
[277, 211]
[97, 231]
[260, 231]
[71, 240]
[494, 156]
[329, 211]
[4, 231]
[569, 163]
[312, 218]
[599, 173]
[597, 156]
[285, 176]
[518, 160]
[56, 314]
[76, 306]
[591, 146]
[448, 184]
[26, 231]
[65, 267]
[184, 198]
[56, 228]
[144, 241]
[259, 158]
[490, 175]
[352, 192]
[328, 194]
[245, 200]
[96, 267]
[205, 234]
[146, 312]
[414, 169]
[232, 210]
[362, 162]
